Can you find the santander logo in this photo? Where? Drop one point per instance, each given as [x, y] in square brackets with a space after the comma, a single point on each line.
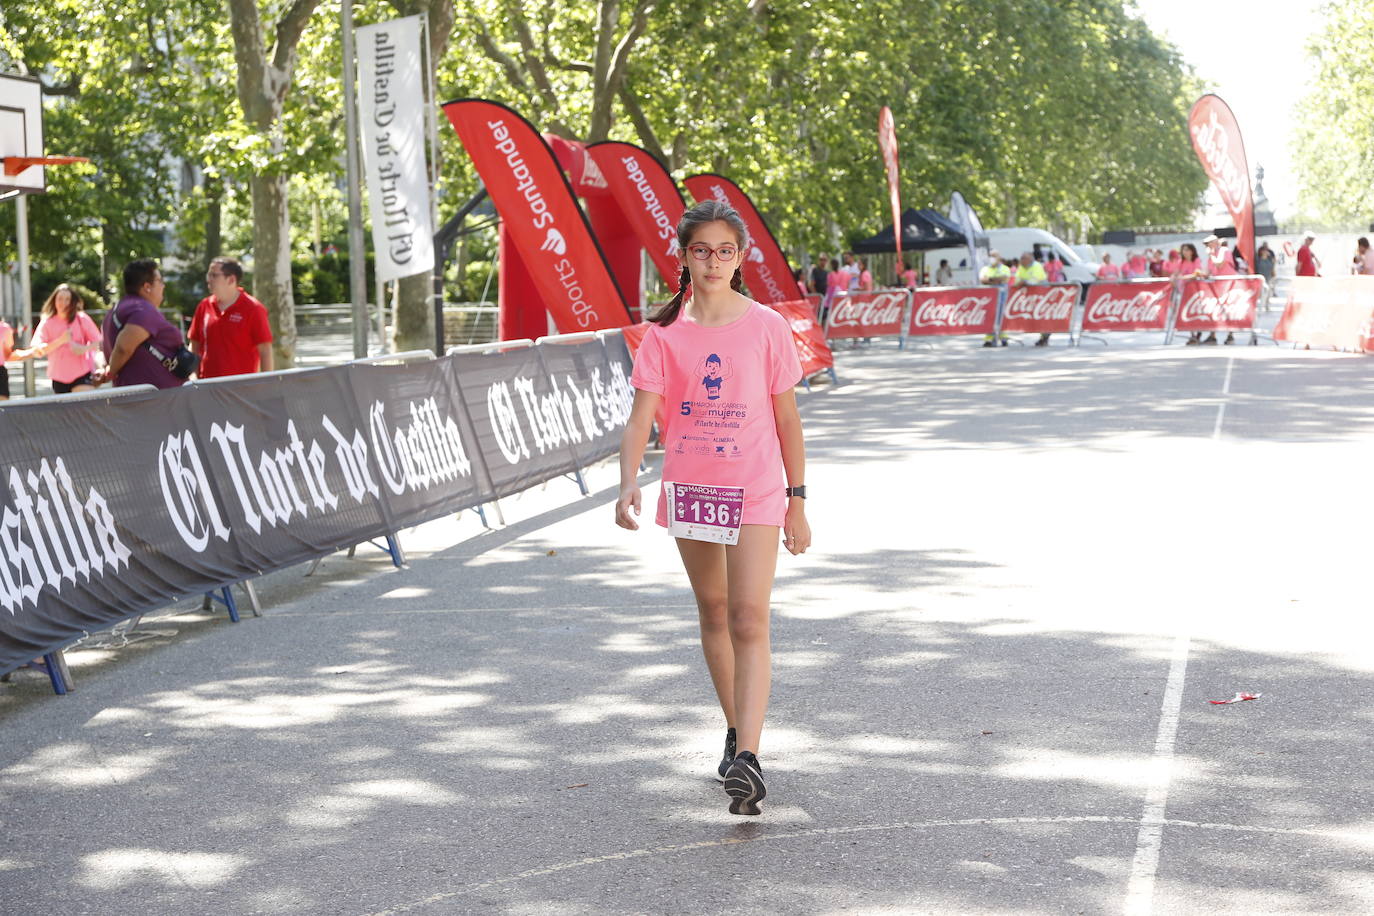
[555, 242]
[1042, 303]
[966, 312]
[869, 311]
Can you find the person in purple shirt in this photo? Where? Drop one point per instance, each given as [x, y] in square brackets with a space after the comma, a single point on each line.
[134, 323]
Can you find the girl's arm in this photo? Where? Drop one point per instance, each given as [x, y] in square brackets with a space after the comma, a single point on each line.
[796, 531]
[632, 444]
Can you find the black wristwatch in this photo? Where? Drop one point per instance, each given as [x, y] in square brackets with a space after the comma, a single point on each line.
[796, 491]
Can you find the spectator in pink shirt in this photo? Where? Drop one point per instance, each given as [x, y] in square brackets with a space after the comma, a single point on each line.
[6, 347]
[865, 276]
[1108, 270]
[68, 337]
[1054, 268]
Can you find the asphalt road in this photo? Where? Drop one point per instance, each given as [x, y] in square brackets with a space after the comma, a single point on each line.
[1032, 570]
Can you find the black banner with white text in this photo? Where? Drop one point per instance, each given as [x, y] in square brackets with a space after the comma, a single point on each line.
[111, 508]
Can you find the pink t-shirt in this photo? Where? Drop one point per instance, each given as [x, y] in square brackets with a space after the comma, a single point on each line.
[909, 278]
[717, 386]
[65, 364]
[1221, 264]
[1109, 272]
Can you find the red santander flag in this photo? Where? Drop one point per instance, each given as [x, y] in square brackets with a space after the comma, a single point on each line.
[766, 271]
[812, 349]
[887, 141]
[648, 197]
[540, 213]
[1217, 142]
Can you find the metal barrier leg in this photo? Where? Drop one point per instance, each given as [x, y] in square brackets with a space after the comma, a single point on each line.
[393, 547]
[225, 596]
[55, 663]
[252, 597]
[228, 592]
[581, 483]
[352, 550]
[314, 565]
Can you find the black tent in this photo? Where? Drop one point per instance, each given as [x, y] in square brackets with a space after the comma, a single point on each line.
[922, 230]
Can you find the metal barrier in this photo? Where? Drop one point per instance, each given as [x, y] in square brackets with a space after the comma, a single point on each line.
[99, 394]
[54, 663]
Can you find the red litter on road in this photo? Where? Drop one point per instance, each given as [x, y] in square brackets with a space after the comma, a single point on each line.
[1236, 699]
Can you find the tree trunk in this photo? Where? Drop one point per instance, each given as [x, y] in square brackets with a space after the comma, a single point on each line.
[214, 201]
[272, 264]
[415, 313]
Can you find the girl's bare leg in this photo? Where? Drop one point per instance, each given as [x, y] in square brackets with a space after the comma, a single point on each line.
[705, 565]
[750, 566]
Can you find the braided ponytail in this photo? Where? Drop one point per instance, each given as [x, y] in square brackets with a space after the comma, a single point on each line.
[670, 311]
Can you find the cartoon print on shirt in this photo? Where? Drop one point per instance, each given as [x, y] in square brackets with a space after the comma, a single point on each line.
[712, 376]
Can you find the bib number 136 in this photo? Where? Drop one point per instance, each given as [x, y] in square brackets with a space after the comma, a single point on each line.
[704, 513]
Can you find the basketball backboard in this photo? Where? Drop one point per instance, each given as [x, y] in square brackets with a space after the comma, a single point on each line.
[21, 132]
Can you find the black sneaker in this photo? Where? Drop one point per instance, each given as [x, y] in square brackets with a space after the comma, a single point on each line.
[744, 784]
[729, 754]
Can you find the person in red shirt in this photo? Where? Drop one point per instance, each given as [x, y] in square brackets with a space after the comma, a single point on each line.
[230, 331]
[1308, 265]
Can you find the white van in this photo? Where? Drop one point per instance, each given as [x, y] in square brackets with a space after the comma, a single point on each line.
[1011, 243]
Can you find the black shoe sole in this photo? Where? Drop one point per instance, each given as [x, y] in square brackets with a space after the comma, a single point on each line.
[744, 785]
[723, 769]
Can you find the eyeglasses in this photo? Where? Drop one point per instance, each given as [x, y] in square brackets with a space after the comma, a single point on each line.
[704, 252]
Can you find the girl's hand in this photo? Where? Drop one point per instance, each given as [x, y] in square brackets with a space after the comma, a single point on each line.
[796, 531]
[629, 500]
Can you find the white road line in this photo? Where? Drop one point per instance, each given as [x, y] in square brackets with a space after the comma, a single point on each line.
[1225, 390]
[851, 830]
[1140, 891]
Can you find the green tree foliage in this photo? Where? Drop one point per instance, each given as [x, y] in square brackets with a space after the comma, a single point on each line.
[1334, 146]
[1067, 114]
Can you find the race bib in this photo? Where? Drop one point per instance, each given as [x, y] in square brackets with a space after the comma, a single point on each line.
[704, 513]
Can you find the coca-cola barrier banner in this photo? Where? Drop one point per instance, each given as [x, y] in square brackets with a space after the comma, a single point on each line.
[878, 313]
[814, 352]
[947, 310]
[111, 508]
[765, 269]
[1329, 312]
[538, 210]
[1131, 305]
[648, 197]
[1222, 304]
[1042, 309]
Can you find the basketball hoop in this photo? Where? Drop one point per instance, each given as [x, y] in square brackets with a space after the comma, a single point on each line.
[16, 164]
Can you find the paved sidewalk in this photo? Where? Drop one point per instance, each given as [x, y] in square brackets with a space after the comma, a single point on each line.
[1033, 568]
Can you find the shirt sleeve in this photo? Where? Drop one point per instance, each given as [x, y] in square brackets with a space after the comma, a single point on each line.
[262, 328]
[787, 368]
[648, 371]
[40, 334]
[197, 330]
[146, 316]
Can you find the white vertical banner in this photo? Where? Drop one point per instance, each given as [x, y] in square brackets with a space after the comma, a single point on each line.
[391, 97]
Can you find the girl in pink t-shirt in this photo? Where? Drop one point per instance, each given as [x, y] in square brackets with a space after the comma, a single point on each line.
[67, 336]
[725, 367]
